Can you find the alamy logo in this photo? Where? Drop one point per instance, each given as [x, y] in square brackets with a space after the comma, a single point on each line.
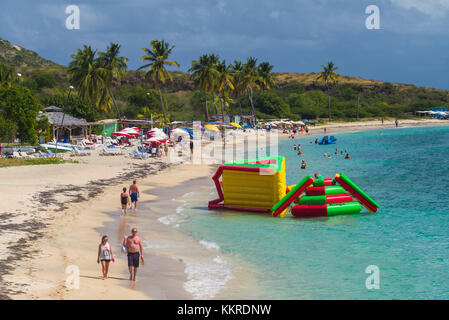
[73, 277]
[373, 280]
[73, 20]
[372, 22]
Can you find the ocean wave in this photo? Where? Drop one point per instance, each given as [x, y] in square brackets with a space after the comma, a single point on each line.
[206, 279]
[168, 220]
[210, 244]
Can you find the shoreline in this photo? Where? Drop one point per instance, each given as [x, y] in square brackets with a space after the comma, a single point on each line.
[40, 244]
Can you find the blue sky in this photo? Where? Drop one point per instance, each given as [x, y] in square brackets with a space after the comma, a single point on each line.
[294, 35]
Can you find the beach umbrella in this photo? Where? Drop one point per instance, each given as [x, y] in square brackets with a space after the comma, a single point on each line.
[235, 125]
[211, 127]
[131, 132]
[122, 134]
[188, 131]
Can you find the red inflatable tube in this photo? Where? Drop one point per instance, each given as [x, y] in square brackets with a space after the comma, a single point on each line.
[293, 197]
[356, 195]
[315, 191]
[328, 182]
[339, 198]
[310, 210]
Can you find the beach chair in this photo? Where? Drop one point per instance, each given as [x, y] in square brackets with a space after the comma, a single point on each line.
[87, 146]
[77, 152]
[111, 151]
[136, 154]
[42, 154]
[52, 154]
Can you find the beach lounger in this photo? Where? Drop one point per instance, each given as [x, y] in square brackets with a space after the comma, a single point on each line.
[87, 146]
[136, 154]
[77, 152]
[111, 151]
[51, 154]
[43, 154]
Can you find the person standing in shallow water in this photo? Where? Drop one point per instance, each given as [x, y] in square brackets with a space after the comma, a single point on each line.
[135, 194]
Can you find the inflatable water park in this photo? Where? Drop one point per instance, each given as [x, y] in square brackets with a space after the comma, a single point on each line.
[259, 185]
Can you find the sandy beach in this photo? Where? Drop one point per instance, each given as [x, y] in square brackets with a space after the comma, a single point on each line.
[53, 216]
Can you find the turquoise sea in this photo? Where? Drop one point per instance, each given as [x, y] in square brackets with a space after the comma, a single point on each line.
[406, 170]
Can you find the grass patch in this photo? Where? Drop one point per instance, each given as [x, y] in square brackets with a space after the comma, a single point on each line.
[4, 162]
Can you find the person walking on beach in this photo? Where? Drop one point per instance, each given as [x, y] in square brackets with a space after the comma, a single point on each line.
[124, 200]
[396, 122]
[105, 256]
[135, 194]
[134, 246]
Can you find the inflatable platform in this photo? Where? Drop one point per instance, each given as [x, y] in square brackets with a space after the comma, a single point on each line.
[259, 185]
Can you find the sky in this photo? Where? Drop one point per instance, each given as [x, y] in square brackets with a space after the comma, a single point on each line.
[411, 45]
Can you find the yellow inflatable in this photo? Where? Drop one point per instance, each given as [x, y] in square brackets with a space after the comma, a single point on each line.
[250, 185]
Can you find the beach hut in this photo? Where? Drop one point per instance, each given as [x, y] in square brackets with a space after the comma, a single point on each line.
[65, 126]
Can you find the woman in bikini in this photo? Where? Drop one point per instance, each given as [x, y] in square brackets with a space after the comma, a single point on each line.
[124, 200]
[105, 256]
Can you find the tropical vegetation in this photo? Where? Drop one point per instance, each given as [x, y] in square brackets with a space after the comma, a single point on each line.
[103, 87]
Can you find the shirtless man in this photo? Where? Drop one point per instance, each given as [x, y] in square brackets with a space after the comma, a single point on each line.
[135, 251]
[134, 193]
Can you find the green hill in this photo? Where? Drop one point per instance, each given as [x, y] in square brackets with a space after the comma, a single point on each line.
[295, 95]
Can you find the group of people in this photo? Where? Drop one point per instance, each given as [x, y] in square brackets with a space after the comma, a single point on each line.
[303, 162]
[132, 244]
[347, 156]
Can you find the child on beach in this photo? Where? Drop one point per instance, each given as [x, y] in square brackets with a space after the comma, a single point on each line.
[105, 256]
[124, 200]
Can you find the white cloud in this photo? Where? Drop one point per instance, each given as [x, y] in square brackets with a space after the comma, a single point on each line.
[435, 8]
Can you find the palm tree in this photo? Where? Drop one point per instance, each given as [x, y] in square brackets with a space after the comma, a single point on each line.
[116, 68]
[204, 74]
[224, 84]
[266, 81]
[329, 76]
[214, 60]
[251, 80]
[157, 57]
[90, 78]
[237, 69]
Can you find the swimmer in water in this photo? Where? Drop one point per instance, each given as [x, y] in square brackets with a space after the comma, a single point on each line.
[294, 146]
[303, 164]
[347, 156]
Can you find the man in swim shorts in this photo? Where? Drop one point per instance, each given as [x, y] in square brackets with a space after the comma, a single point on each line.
[134, 194]
[135, 251]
